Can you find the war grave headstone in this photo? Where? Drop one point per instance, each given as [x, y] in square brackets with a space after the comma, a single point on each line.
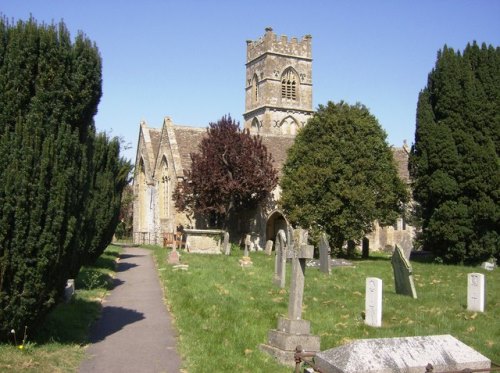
[475, 292]
[403, 274]
[226, 246]
[408, 354]
[373, 302]
[280, 259]
[293, 330]
[325, 264]
[269, 247]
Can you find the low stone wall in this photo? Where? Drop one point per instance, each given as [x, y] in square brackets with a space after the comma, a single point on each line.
[204, 241]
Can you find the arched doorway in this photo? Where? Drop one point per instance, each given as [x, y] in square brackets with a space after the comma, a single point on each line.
[275, 221]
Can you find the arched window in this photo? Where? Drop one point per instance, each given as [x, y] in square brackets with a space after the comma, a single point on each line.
[164, 190]
[142, 197]
[255, 88]
[255, 125]
[289, 82]
[289, 126]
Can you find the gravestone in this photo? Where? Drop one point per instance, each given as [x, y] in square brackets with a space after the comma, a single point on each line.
[269, 247]
[403, 274]
[325, 265]
[280, 260]
[174, 257]
[226, 246]
[248, 242]
[408, 355]
[489, 266]
[69, 290]
[373, 302]
[475, 292]
[293, 330]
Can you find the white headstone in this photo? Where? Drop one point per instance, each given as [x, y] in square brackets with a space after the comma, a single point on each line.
[373, 302]
[475, 292]
[69, 290]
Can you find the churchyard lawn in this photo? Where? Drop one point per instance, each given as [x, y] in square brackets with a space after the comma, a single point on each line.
[59, 345]
[223, 312]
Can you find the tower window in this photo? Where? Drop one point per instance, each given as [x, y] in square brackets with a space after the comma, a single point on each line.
[289, 85]
[255, 88]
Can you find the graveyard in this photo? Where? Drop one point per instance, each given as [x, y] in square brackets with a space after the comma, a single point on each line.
[224, 311]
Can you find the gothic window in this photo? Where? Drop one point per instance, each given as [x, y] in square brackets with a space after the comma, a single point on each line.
[255, 125]
[289, 82]
[255, 88]
[164, 190]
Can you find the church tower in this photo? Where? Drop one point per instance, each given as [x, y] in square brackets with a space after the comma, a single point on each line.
[278, 89]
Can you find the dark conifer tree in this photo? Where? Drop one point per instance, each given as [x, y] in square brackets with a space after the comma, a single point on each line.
[454, 161]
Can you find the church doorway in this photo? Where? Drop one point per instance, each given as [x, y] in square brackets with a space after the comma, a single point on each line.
[275, 222]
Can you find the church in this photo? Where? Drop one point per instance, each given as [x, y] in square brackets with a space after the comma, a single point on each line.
[278, 103]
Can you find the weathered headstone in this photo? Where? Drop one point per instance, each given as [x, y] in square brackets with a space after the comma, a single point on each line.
[174, 257]
[226, 246]
[69, 290]
[280, 260]
[475, 292]
[409, 355]
[403, 274]
[293, 330]
[269, 247]
[373, 302]
[325, 264]
[248, 242]
[489, 266]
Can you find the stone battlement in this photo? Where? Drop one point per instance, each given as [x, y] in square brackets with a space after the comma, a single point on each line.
[270, 43]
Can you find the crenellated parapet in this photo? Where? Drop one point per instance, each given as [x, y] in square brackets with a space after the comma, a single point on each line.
[271, 43]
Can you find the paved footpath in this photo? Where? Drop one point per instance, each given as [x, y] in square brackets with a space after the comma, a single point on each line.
[134, 333]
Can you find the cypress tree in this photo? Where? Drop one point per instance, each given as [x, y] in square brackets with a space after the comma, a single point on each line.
[454, 161]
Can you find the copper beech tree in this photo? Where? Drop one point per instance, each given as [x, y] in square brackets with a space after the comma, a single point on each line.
[231, 172]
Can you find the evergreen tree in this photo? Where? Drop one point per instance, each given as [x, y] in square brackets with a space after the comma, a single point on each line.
[55, 174]
[454, 162]
[231, 172]
[340, 175]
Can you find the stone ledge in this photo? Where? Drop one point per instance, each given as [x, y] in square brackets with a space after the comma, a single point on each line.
[288, 342]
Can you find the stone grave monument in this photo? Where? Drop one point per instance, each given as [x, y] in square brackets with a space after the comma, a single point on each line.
[475, 292]
[408, 355]
[174, 257]
[280, 259]
[269, 247]
[226, 246]
[293, 330]
[325, 264]
[403, 274]
[373, 302]
[69, 290]
[246, 261]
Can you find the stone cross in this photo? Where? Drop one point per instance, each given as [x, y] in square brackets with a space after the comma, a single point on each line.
[325, 264]
[475, 292]
[373, 302]
[299, 253]
[280, 260]
[226, 245]
[69, 290]
[403, 274]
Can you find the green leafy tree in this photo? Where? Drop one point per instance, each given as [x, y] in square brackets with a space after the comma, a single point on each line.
[340, 175]
[54, 172]
[231, 172]
[454, 162]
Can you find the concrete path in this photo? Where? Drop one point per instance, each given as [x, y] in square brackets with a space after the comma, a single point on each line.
[134, 333]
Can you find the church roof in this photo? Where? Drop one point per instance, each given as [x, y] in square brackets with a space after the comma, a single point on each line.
[155, 136]
[188, 139]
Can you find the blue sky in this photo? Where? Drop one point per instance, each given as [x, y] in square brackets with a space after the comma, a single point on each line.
[186, 59]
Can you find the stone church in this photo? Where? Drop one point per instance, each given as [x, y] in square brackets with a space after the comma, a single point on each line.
[278, 103]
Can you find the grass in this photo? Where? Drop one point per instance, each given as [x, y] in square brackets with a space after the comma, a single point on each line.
[59, 344]
[223, 312]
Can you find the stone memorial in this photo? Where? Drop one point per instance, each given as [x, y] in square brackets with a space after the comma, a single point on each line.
[226, 246]
[203, 241]
[293, 330]
[403, 274]
[408, 355]
[174, 257]
[373, 302]
[325, 265]
[475, 292]
[489, 266]
[280, 260]
[269, 247]
[69, 290]
[248, 242]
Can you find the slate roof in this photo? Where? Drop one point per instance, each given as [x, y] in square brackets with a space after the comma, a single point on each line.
[188, 139]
